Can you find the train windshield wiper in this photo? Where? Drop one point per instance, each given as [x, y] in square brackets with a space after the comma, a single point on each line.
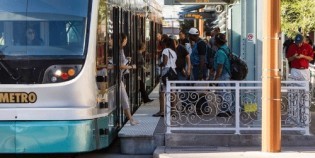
[6, 69]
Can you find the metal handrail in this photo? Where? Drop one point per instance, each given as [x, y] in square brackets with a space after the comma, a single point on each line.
[295, 100]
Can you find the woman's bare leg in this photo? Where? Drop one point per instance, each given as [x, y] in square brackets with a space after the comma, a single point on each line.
[130, 118]
[162, 102]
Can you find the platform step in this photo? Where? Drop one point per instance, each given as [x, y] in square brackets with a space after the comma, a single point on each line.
[146, 136]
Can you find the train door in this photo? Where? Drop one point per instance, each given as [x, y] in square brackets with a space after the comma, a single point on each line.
[106, 66]
[141, 32]
[150, 59]
[136, 35]
[153, 51]
[127, 77]
[115, 78]
[134, 51]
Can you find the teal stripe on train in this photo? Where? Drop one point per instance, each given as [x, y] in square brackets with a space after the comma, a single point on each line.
[49, 136]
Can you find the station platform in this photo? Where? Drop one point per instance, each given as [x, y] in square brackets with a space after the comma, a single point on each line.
[145, 137]
[149, 138]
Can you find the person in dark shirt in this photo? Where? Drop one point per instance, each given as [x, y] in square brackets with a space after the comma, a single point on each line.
[141, 68]
[182, 38]
[198, 56]
[183, 65]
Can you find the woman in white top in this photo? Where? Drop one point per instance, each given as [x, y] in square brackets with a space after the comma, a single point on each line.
[124, 99]
[168, 60]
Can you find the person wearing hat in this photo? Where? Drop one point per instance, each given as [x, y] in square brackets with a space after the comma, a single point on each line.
[299, 55]
[198, 56]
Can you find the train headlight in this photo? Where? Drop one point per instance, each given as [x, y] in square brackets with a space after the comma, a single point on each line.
[58, 73]
[61, 73]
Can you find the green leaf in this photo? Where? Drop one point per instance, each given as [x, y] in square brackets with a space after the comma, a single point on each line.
[297, 14]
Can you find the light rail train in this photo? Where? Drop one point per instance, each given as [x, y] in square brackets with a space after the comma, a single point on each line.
[59, 71]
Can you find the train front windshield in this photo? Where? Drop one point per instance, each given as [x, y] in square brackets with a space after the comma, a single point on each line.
[43, 28]
[39, 38]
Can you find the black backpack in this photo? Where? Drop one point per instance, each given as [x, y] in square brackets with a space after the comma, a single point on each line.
[238, 69]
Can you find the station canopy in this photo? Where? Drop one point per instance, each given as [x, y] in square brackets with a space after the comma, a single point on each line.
[194, 2]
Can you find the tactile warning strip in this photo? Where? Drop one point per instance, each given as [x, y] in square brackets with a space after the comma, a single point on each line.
[147, 124]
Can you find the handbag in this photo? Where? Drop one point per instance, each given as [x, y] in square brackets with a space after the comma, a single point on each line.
[170, 74]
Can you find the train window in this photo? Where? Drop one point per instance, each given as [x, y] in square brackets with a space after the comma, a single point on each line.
[44, 27]
[104, 47]
[66, 33]
[74, 32]
[101, 34]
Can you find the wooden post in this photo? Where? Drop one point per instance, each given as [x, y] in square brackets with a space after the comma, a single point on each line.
[201, 23]
[271, 80]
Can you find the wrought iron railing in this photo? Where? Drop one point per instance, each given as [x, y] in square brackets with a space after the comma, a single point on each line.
[312, 86]
[198, 105]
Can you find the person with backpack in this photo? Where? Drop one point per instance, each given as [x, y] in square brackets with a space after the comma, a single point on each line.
[300, 54]
[221, 59]
[198, 56]
[222, 72]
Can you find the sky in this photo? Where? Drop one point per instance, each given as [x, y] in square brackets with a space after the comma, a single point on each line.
[170, 14]
[160, 1]
[168, 10]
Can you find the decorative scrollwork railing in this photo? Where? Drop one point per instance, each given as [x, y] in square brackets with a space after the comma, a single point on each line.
[234, 108]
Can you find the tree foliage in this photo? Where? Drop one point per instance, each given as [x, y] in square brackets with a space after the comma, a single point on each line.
[297, 14]
[102, 12]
